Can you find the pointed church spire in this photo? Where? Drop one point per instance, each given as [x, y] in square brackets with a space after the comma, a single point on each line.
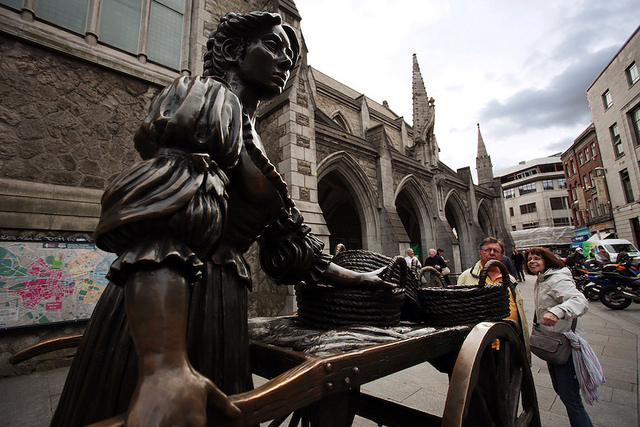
[484, 168]
[420, 100]
[424, 139]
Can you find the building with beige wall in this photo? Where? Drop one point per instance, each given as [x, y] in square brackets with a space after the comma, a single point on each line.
[614, 99]
[535, 194]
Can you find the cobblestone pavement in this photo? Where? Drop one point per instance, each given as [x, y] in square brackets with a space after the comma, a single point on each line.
[30, 400]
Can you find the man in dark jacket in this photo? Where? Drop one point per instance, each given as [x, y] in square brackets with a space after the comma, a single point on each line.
[518, 261]
[576, 258]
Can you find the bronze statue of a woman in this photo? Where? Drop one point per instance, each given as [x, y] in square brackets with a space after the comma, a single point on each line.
[169, 335]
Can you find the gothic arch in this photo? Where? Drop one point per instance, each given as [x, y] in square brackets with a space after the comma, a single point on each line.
[341, 121]
[455, 212]
[343, 166]
[484, 216]
[410, 189]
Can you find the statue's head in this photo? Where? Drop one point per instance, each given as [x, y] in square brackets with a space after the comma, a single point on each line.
[255, 48]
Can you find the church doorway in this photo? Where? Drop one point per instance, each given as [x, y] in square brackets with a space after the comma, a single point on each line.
[409, 217]
[340, 212]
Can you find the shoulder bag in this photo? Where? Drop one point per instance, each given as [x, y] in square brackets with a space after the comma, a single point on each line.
[554, 347]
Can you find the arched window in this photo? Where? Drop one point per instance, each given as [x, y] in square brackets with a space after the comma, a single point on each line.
[339, 119]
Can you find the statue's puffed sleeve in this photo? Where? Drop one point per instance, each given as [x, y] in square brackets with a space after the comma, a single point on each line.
[290, 253]
[197, 114]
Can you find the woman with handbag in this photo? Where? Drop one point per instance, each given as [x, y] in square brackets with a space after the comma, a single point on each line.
[557, 303]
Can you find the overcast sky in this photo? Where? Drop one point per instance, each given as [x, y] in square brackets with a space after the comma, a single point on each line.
[519, 68]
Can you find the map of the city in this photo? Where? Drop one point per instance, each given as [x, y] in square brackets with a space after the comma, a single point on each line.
[44, 282]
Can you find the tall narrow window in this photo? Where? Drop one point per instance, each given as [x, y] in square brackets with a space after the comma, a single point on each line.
[607, 100]
[123, 26]
[626, 186]
[580, 159]
[591, 180]
[165, 32]
[632, 74]
[511, 213]
[68, 14]
[616, 140]
[586, 154]
[120, 24]
[635, 124]
[593, 149]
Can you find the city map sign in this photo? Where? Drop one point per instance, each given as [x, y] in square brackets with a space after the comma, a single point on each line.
[43, 282]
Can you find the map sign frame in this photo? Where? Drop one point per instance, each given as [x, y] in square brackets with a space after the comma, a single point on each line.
[46, 282]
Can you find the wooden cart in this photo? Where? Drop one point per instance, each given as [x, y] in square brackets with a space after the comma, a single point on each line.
[488, 386]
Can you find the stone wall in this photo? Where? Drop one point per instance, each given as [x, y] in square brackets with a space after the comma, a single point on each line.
[63, 121]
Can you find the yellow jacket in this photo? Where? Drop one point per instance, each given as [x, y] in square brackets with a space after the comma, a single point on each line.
[471, 276]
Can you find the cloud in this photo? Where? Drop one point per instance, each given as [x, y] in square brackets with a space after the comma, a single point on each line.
[563, 102]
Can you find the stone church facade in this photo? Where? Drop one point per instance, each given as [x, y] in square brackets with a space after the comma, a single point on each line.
[361, 175]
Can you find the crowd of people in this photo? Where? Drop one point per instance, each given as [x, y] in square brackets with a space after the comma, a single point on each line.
[558, 305]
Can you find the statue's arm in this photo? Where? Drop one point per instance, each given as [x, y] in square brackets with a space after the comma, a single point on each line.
[338, 275]
[290, 253]
[169, 390]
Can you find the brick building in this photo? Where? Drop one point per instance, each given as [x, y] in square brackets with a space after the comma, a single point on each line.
[586, 184]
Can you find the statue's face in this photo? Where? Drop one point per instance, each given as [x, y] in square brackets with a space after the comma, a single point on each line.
[267, 61]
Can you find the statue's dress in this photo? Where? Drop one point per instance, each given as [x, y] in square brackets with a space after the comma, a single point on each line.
[204, 193]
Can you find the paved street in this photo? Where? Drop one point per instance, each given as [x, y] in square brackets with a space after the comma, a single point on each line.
[613, 336]
[30, 400]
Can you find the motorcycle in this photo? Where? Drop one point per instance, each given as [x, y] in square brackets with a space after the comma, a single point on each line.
[624, 287]
[591, 284]
[589, 280]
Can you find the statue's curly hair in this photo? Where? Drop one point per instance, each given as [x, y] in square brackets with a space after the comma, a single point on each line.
[238, 29]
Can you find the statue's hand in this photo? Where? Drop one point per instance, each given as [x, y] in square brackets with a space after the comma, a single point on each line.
[373, 279]
[176, 396]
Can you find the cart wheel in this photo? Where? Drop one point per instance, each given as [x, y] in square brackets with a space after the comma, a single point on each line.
[491, 387]
[330, 411]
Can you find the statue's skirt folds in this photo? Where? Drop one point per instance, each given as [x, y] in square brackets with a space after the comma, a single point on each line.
[104, 373]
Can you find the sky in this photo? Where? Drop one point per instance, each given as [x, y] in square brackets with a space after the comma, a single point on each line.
[518, 68]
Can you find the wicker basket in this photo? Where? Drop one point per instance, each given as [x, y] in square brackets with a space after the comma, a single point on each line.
[463, 304]
[324, 306]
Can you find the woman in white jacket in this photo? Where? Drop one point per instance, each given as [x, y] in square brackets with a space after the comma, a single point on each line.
[557, 303]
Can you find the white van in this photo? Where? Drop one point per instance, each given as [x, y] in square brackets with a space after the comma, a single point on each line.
[614, 246]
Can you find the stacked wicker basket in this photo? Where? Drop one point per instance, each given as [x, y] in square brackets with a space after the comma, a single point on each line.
[325, 306]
